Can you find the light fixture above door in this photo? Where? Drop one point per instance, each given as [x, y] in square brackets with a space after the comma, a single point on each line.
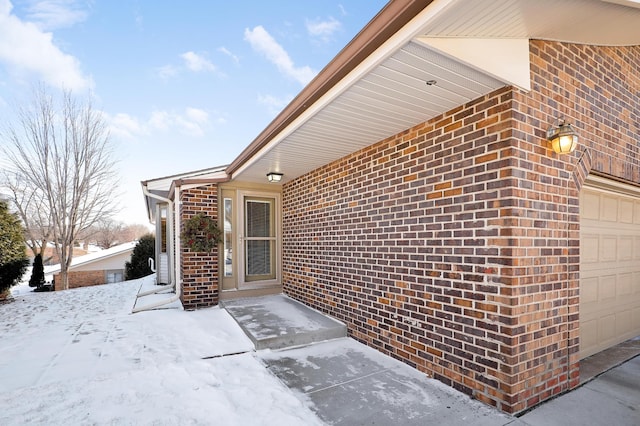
[563, 138]
[274, 177]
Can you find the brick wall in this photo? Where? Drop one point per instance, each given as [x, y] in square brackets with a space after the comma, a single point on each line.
[200, 280]
[81, 279]
[600, 97]
[454, 246]
[597, 90]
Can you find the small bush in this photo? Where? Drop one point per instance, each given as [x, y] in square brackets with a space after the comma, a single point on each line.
[37, 274]
[11, 272]
[138, 267]
[13, 259]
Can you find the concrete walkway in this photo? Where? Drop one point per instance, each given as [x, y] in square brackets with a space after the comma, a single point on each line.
[351, 384]
[347, 382]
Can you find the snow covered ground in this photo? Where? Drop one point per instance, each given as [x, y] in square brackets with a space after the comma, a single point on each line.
[80, 357]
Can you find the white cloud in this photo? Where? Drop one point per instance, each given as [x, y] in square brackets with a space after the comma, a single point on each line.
[262, 42]
[53, 14]
[229, 54]
[5, 7]
[197, 63]
[26, 48]
[323, 29]
[192, 62]
[274, 105]
[166, 72]
[190, 122]
[160, 120]
[138, 20]
[188, 127]
[125, 126]
[197, 115]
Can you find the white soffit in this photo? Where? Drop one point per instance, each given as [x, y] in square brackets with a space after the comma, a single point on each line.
[597, 22]
[446, 42]
[506, 59]
[390, 98]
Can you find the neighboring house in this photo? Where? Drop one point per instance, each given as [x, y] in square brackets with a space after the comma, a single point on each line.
[50, 256]
[420, 201]
[101, 267]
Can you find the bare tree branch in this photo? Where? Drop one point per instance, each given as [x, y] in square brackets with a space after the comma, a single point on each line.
[108, 233]
[64, 155]
[32, 209]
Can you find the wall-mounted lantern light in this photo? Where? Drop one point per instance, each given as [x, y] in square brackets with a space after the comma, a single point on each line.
[563, 138]
[274, 177]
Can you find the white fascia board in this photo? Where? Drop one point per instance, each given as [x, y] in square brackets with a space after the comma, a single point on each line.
[97, 256]
[506, 59]
[392, 45]
[627, 3]
[164, 183]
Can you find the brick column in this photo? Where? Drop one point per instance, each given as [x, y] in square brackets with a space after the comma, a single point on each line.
[200, 275]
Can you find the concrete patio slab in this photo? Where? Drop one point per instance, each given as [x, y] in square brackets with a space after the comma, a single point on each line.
[351, 384]
[277, 321]
[348, 383]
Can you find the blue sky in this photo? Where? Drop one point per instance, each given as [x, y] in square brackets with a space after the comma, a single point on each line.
[183, 85]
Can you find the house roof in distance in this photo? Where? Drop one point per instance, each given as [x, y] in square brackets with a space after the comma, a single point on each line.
[93, 257]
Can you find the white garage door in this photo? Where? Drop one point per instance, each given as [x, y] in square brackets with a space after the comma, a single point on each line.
[609, 264]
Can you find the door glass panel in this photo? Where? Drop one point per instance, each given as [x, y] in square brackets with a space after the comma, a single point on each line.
[259, 223]
[163, 229]
[259, 259]
[228, 237]
[260, 239]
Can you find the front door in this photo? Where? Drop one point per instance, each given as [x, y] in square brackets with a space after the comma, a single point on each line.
[260, 259]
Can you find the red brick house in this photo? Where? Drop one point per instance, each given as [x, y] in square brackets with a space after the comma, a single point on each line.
[100, 267]
[420, 200]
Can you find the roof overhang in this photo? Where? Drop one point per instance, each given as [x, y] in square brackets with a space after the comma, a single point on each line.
[161, 190]
[377, 85]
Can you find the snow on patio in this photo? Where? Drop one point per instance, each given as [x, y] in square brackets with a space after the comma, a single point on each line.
[80, 357]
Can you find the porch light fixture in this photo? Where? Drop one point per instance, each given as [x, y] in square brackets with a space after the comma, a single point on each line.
[274, 177]
[563, 138]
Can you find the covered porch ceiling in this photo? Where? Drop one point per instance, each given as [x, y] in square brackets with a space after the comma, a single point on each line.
[448, 53]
